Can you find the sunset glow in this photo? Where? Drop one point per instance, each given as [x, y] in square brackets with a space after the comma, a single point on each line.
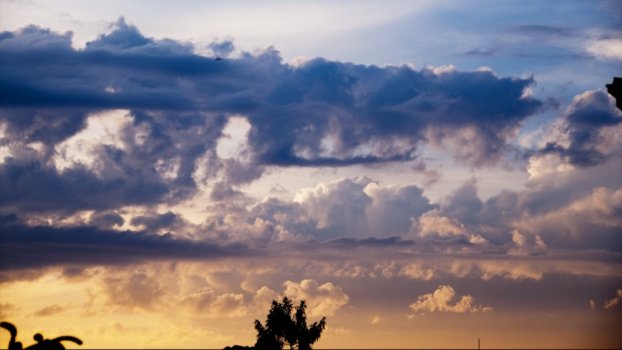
[424, 174]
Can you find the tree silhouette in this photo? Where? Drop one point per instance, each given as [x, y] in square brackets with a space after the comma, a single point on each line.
[307, 335]
[282, 327]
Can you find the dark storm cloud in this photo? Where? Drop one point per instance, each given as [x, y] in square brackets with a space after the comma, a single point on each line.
[154, 222]
[370, 242]
[353, 106]
[106, 219]
[32, 186]
[223, 48]
[320, 113]
[27, 247]
[48, 126]
[154, 144]
[586, 118]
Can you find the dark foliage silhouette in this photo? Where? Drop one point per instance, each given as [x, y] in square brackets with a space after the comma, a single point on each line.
[42, 343]
[615, 90]
[282, 328]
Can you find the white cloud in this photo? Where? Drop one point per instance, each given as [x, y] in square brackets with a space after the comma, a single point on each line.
[433, 224]
[448, 68]
[375, 320]
[359, 206]
[547, 165]
[442, 300]
[610, 49]
[86, 147]
[598, 210]
[322, 299]
[611, 303]
[234, 143]
[526, 245]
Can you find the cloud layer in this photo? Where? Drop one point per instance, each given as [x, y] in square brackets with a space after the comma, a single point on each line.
[163, 109]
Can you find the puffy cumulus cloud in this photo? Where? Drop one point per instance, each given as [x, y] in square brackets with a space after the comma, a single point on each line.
[349, 207]
[361, 207]
[523, 245]
[338, 207]
[574, 209]
[443, 300]
[322, 299]
[586, 133]
[611, 303]
[207, 289]
[590, 220]
[548, 164]
[393, 208]
[239, 225]
[432, 224]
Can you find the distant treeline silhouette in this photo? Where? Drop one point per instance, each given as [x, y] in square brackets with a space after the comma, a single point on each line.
[281, 328]
[42, 343]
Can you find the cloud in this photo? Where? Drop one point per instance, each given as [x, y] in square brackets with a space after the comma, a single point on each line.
[6, 309]
[525, 246]
[132, 120]
[610, 304]
[442, 300]
[375, 320]
[392, 105]
[48, 311]
[153, 222]
[481, 52]
[586, 134]
[432, 224]
[116, 159]
[361, 207]
[222, 49]
[106, 219]
[609, 49]
[87, 245]
[591, 220]
[322, 299]
[209, 303]
[337, 207]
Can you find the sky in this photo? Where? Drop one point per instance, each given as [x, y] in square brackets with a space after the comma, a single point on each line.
[423, 173]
